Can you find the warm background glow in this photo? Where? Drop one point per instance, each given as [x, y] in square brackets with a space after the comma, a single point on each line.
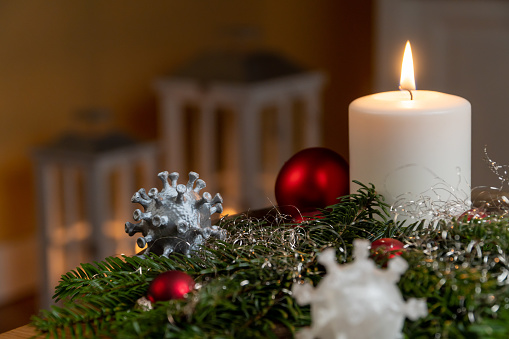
[63, 56]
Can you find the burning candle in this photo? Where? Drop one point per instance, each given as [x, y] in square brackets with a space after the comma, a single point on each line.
[411, 143]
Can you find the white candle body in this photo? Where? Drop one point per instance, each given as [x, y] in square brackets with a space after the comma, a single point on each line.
[406, 147]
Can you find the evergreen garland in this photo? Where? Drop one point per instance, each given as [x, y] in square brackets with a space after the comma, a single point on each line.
[244, 282]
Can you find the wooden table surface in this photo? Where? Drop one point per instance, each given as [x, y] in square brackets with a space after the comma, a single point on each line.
[26, 331]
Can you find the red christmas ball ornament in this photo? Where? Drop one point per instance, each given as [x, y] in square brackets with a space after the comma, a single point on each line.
[386, 248]
[170, 285]
[474, 213]
[311, 179]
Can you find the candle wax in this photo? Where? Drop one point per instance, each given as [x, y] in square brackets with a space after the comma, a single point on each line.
[407, 147]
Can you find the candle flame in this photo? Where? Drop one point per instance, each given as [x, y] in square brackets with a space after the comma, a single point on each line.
[407, 80]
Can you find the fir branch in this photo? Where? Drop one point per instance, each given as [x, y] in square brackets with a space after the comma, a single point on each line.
[245, 281]
[461, 268]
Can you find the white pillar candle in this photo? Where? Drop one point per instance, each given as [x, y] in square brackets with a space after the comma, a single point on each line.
[411, 147]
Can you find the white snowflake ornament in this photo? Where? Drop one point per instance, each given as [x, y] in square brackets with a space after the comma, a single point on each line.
[357, 300]
[177, 219]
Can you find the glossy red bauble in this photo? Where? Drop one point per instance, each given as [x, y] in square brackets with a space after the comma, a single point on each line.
[311, 179]
[170, 285]
[386, 246]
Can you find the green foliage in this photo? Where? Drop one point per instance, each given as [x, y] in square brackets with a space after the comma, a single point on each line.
[461, 270]
[244, 282]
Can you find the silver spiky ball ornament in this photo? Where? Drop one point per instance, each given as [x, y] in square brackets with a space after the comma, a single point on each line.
[177, 219]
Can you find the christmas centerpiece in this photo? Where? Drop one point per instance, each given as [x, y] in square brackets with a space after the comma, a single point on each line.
[244, 284]
[328, 263]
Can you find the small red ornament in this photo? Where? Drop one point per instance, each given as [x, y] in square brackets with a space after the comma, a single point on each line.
[170, 285]
[381, 247]
[311, 179]
[474, 213]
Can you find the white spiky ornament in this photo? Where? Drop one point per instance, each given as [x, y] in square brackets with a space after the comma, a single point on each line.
[177, 219]
[357, 300]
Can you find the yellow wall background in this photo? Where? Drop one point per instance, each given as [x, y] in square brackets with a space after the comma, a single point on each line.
[57, 57]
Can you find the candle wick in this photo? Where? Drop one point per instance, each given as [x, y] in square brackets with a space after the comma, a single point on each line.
[409, 91]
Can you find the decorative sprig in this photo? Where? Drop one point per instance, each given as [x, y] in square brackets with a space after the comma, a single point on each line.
[244, 281]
